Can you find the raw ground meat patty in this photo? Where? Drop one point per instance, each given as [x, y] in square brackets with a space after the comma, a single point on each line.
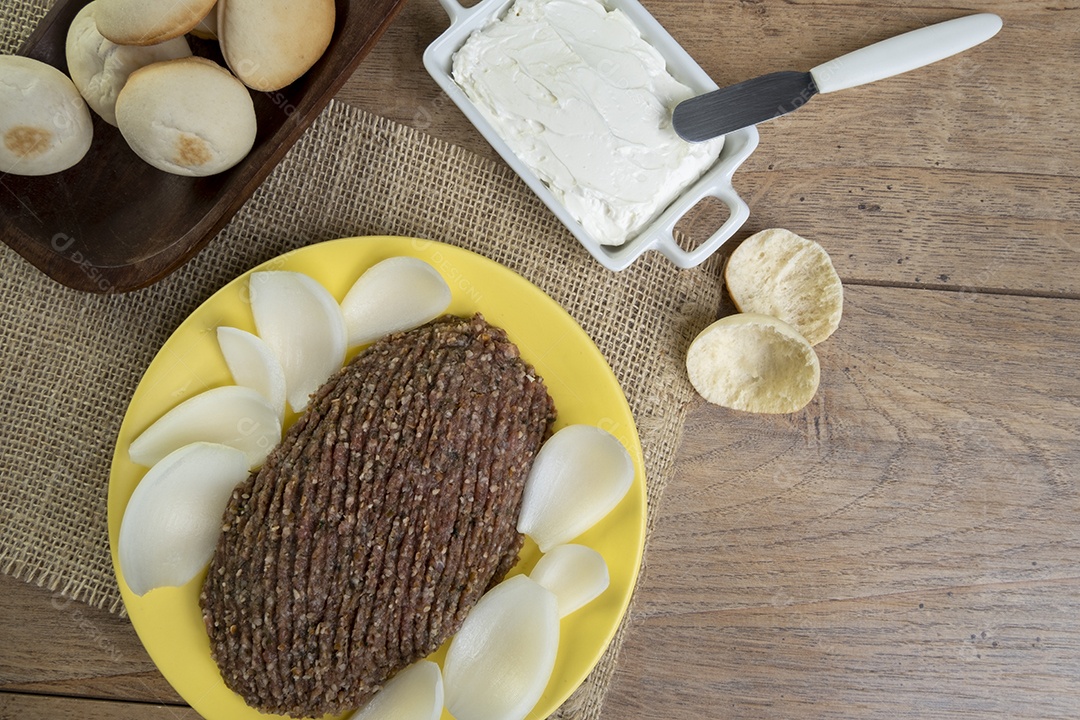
[389, 507]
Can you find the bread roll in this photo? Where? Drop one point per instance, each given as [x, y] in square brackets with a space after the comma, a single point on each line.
[148, 22]
[45, 127]
[778, 273]
[271, 43]
[755, 363]
[100, 67]
[187, 116]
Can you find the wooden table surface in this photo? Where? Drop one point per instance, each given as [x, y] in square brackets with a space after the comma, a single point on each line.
[909, 545]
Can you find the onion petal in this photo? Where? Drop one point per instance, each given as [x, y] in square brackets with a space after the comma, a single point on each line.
[501, 659]
[579, 475]
[397, 294]
[253, 364]
[302, 323]
[173, 519]
[230, 415]
[576, 574]
[415, 693]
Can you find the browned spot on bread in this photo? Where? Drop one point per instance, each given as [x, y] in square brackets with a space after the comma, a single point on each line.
[192, 151]
[26, 141]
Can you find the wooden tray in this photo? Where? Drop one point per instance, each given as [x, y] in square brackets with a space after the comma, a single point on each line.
[113, 223]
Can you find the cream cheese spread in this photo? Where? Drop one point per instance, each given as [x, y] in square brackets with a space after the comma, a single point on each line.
[582, 99]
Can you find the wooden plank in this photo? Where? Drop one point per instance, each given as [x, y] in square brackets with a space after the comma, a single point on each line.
[1008, 651]
[940, 450]
[16, 706]
[52, 645]
[929, 228]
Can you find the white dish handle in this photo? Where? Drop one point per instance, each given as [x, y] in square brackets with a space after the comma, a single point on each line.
[738, 212]
[455, 10]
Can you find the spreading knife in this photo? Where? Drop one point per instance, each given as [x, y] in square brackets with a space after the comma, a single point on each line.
[763, 98]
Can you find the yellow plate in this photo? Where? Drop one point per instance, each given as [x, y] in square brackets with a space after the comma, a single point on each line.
[582, 385]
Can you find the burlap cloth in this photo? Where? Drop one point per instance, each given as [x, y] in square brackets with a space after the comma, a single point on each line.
[70, 361]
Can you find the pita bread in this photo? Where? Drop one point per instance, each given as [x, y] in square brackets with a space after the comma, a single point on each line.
[270, 43]
[779, 273]
[755, 363]
[188, 116]
[45, 126]
[148, 22]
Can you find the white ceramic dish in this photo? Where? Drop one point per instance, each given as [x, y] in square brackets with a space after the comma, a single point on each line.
[658, 235]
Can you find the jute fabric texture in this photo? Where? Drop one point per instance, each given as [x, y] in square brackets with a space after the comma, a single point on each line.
[70, 361]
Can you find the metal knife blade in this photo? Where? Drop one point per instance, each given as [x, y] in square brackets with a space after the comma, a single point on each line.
[741, 105]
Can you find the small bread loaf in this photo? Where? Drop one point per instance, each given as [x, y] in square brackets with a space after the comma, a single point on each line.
[187, 116]
[45, 126]
[755, 363]
[148, 22]
[271, 43]
[100, 67]
[778, 273]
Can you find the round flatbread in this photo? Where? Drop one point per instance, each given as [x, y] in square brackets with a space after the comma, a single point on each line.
[779, 273]
[755, 363]
[188, 116]
[148, 22]
[45, 126]
[270, 43]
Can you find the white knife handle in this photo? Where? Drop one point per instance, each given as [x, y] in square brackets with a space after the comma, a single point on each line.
[905, 52]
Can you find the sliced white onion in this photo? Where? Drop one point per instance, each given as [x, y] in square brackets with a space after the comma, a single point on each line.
[579, 475]
[173, 519]
[253, 364]
[499, 662]
[230, 415]
[302, 324]
[574, 573]
[399, 293]
[415, 693]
